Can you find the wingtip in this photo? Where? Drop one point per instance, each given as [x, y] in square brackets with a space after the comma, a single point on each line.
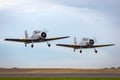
[5, 39]
[112, 44]
[57, 44]
[67, 36]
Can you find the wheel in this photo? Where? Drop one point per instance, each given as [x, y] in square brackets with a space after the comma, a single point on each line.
[49, 45]
[95, 51]
[80, 51]
[32, 46]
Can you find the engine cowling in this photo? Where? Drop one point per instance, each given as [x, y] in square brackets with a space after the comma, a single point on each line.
[43, 35]
[91, 41]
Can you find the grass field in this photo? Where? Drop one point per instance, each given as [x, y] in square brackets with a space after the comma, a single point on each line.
[57, 71]
[59, 78]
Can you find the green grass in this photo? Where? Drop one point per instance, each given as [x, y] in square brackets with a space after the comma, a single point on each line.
[59, 78]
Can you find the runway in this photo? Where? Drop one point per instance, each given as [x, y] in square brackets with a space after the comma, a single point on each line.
[63, 75]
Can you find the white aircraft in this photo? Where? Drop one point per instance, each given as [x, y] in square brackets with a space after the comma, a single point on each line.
[84, 44]
[38, 36]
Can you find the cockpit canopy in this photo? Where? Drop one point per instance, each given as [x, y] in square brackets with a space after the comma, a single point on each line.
[36, 32]
[85, 39]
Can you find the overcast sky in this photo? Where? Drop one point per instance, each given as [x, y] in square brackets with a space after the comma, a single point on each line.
[76, 18]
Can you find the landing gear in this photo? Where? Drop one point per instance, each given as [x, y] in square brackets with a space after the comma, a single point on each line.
[74, 50]
[25, 45]
[95, 50]
[80, 51]
[32, 46]
[48, 44]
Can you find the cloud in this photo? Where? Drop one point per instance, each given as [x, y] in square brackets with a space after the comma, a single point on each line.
[78, 18]
[28, 6]
[11, 4]
[110, 7]
[53, 6]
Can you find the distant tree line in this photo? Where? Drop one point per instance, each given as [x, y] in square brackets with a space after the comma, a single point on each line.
[113, 68]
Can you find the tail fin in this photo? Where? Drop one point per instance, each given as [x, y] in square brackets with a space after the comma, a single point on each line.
[75, 40]
[26, 34]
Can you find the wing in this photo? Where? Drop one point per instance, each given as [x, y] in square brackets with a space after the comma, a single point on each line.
[35, 40]
[105, 45]
[83, 46]
[20, 40]
[57, 38]
[69, 46]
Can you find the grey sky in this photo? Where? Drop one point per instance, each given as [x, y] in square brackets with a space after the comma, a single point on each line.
[80, 18]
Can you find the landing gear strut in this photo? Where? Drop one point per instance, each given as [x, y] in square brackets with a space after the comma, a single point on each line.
[80, 51]
[25, 45]
[95, 50]
[32, 45]
[74, 50]
[48, 44]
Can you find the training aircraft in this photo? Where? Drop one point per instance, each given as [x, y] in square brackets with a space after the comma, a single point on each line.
[38, 36]
[84, 44]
